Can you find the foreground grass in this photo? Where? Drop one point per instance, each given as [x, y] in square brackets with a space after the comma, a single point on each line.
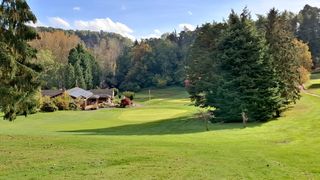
[162, 139]
[313, 86]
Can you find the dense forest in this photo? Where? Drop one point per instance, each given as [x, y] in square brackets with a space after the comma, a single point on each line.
[117, 61]
[247, 66]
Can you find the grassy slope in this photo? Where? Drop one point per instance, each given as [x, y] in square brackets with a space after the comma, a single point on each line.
[314, 84]
[160, 140]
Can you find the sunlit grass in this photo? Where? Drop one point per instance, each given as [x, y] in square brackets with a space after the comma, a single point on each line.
[161, 139]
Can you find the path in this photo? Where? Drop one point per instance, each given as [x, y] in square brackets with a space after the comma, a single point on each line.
[311, 94]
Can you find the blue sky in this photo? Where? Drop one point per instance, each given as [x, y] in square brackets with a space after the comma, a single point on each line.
[147, 18]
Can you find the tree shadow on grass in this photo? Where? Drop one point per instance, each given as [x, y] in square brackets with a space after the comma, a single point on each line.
[146, 98]
[180, 125]
[314, 86]
[315, 75]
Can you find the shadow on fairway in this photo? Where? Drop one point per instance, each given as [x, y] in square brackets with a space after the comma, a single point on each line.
[314, 86]
[180, 125]
[315, 76]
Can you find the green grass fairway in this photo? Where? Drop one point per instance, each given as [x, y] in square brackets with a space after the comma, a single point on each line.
[314, 84]
[161, 139]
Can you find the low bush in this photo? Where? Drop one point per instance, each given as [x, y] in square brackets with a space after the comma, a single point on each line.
[106, 105]
[129, 94]
[48, 105]
[125, 102]
[116, 91]
[30, 105]
[63, 101]
[74, 106]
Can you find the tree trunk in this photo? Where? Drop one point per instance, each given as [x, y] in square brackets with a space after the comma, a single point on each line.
[244, 119]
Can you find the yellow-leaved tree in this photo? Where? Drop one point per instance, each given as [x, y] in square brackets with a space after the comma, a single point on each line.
[305, 60]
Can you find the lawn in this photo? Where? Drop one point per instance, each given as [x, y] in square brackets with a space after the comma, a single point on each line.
[160, 139]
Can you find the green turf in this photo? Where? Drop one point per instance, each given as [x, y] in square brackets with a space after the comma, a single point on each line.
[313, 86]
[160, 139]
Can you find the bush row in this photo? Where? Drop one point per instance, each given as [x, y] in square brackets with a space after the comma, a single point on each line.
[63, 102]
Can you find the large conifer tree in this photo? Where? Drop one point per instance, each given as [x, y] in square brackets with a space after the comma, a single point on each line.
[18, 74]
[229, 69]
[284, 58]
[203, 78]
[248, 85]
[86, 70]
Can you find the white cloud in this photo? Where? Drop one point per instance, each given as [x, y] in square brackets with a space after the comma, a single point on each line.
[155, 34]
[263, 6]
[185, 26]
[59, 22]
[104, 25]
[37, 24]
[190, 13]
[76, 8]
[157, 31]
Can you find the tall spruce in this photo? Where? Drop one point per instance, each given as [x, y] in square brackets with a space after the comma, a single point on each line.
[284, 58]
[86, 69]
[19, 80]
[70, 77]
[248, 84]
[79, 79]
[229, 69]
[203, 78]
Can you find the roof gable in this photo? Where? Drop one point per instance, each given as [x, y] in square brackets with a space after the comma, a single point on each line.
[103, 92]
[78, 93]
[51, 93]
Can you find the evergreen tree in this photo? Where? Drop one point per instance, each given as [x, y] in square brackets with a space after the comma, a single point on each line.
[86, 62]
[203, 78]
[86, 69]
[229, 69]
[70, 77]
[96, 74]
[248, 85]
[79, 79]
[19, 80]
[284, 58]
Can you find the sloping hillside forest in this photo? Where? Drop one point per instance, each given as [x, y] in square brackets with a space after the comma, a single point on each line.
[101, 59]
[245, 67]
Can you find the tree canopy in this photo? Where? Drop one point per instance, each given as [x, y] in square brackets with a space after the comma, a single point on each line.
[19, 80]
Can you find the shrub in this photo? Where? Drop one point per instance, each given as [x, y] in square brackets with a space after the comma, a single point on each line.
[31, 105]
[79, 102]
[63, 101]
[129, 95]
[125, 102]
[107, 105]
[74, 106]
[116, 91]
[48, 105]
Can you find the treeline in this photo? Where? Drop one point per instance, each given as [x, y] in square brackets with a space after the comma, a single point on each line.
[115, 61]
[247, 69]
[154, 62]
[56, 52]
